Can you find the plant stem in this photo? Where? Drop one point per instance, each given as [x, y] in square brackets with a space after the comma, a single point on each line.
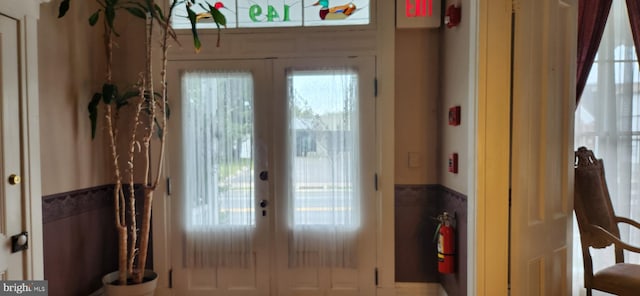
[148, 196]
[132, 195]
[119, 208]
[148, 192]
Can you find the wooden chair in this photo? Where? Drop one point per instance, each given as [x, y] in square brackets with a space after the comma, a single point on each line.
[599, 229]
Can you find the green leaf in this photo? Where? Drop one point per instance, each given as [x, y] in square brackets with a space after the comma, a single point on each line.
[110, 15]
[109, 93]
[124, 99]
[93, 19]
[159, 129]
[93, 112]
[64, 7]
[160, 13]
[218, 17]
[192, 18]
[174, 3]
[149, 7]
[135, 11]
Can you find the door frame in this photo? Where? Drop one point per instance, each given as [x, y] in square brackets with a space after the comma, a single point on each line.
[377, 40]
[493, 149]
[269, 87]
[27, 13]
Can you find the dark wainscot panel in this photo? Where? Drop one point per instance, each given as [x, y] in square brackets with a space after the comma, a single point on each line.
[80, 239]
[416, 207]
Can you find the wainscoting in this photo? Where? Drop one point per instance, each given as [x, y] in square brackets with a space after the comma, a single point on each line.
[416, 207]
[80, 240]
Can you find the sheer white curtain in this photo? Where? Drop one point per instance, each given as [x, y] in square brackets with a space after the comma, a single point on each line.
[607, 121]
[217, 114]
[323, 168]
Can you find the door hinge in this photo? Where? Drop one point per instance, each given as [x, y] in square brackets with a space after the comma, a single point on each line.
[375, 181]
[515, 6]
[375, 275]
[168, 186]
[170, 278]
[375, 87]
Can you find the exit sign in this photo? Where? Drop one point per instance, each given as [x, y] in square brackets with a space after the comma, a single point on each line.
[418, 13]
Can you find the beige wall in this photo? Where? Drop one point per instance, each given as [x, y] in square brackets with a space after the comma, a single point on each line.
[69, 65]
[416, 119]
[455, 74]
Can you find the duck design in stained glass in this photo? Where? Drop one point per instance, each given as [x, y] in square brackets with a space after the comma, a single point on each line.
[339, 12]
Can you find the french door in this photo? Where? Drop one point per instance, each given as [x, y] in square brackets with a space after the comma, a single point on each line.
[273, 170]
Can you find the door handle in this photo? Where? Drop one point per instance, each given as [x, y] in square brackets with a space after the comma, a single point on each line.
[263, 204]
[14, 179]
[20, 242]
[264, 175]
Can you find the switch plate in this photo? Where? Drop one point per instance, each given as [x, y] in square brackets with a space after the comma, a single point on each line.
[415, 160]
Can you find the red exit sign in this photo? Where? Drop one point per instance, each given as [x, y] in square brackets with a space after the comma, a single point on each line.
[418, 13]
[418, 8]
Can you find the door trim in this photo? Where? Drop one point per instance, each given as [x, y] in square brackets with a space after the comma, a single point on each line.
[26, 14]
[493, 148]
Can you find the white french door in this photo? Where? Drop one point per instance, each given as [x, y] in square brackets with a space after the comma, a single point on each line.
[273, 170]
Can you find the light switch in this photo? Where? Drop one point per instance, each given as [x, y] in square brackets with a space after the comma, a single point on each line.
[415, 159]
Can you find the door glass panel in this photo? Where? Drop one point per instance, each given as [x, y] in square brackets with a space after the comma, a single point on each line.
[324, 167]
[218, 143]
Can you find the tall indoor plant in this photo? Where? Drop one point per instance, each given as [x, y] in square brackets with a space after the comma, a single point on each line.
[147, 120]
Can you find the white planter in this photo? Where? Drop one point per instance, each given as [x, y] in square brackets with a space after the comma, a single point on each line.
[147, 288]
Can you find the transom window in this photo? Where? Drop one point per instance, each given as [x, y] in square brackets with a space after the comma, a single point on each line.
[280, 13]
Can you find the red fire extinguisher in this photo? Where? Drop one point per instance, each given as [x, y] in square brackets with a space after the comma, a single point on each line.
[446, 251]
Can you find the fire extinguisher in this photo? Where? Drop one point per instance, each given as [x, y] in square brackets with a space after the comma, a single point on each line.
[446, 250]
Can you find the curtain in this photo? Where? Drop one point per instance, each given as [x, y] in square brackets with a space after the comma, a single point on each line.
[607, 121]
[633, 8]
[323, 168]
[592, 17]
[217, 141]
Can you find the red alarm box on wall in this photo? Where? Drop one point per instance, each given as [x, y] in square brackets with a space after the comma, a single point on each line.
[453, 163]
[454, 115]
[452, 16]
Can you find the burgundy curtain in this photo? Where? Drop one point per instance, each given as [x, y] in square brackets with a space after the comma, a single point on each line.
[592, 18]
[633, 7]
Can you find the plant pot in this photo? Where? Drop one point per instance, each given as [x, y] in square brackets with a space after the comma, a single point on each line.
[146, 288]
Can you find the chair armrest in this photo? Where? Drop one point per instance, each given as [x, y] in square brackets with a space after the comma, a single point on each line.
[627, 221]
[602, 233]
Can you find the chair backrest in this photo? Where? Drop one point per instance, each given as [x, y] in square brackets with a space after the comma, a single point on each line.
[592, 205]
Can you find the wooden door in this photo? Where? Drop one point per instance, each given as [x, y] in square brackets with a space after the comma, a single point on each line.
[12, 201]
[543, 99]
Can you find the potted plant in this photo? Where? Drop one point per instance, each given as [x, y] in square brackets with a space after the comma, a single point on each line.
[147, 123]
